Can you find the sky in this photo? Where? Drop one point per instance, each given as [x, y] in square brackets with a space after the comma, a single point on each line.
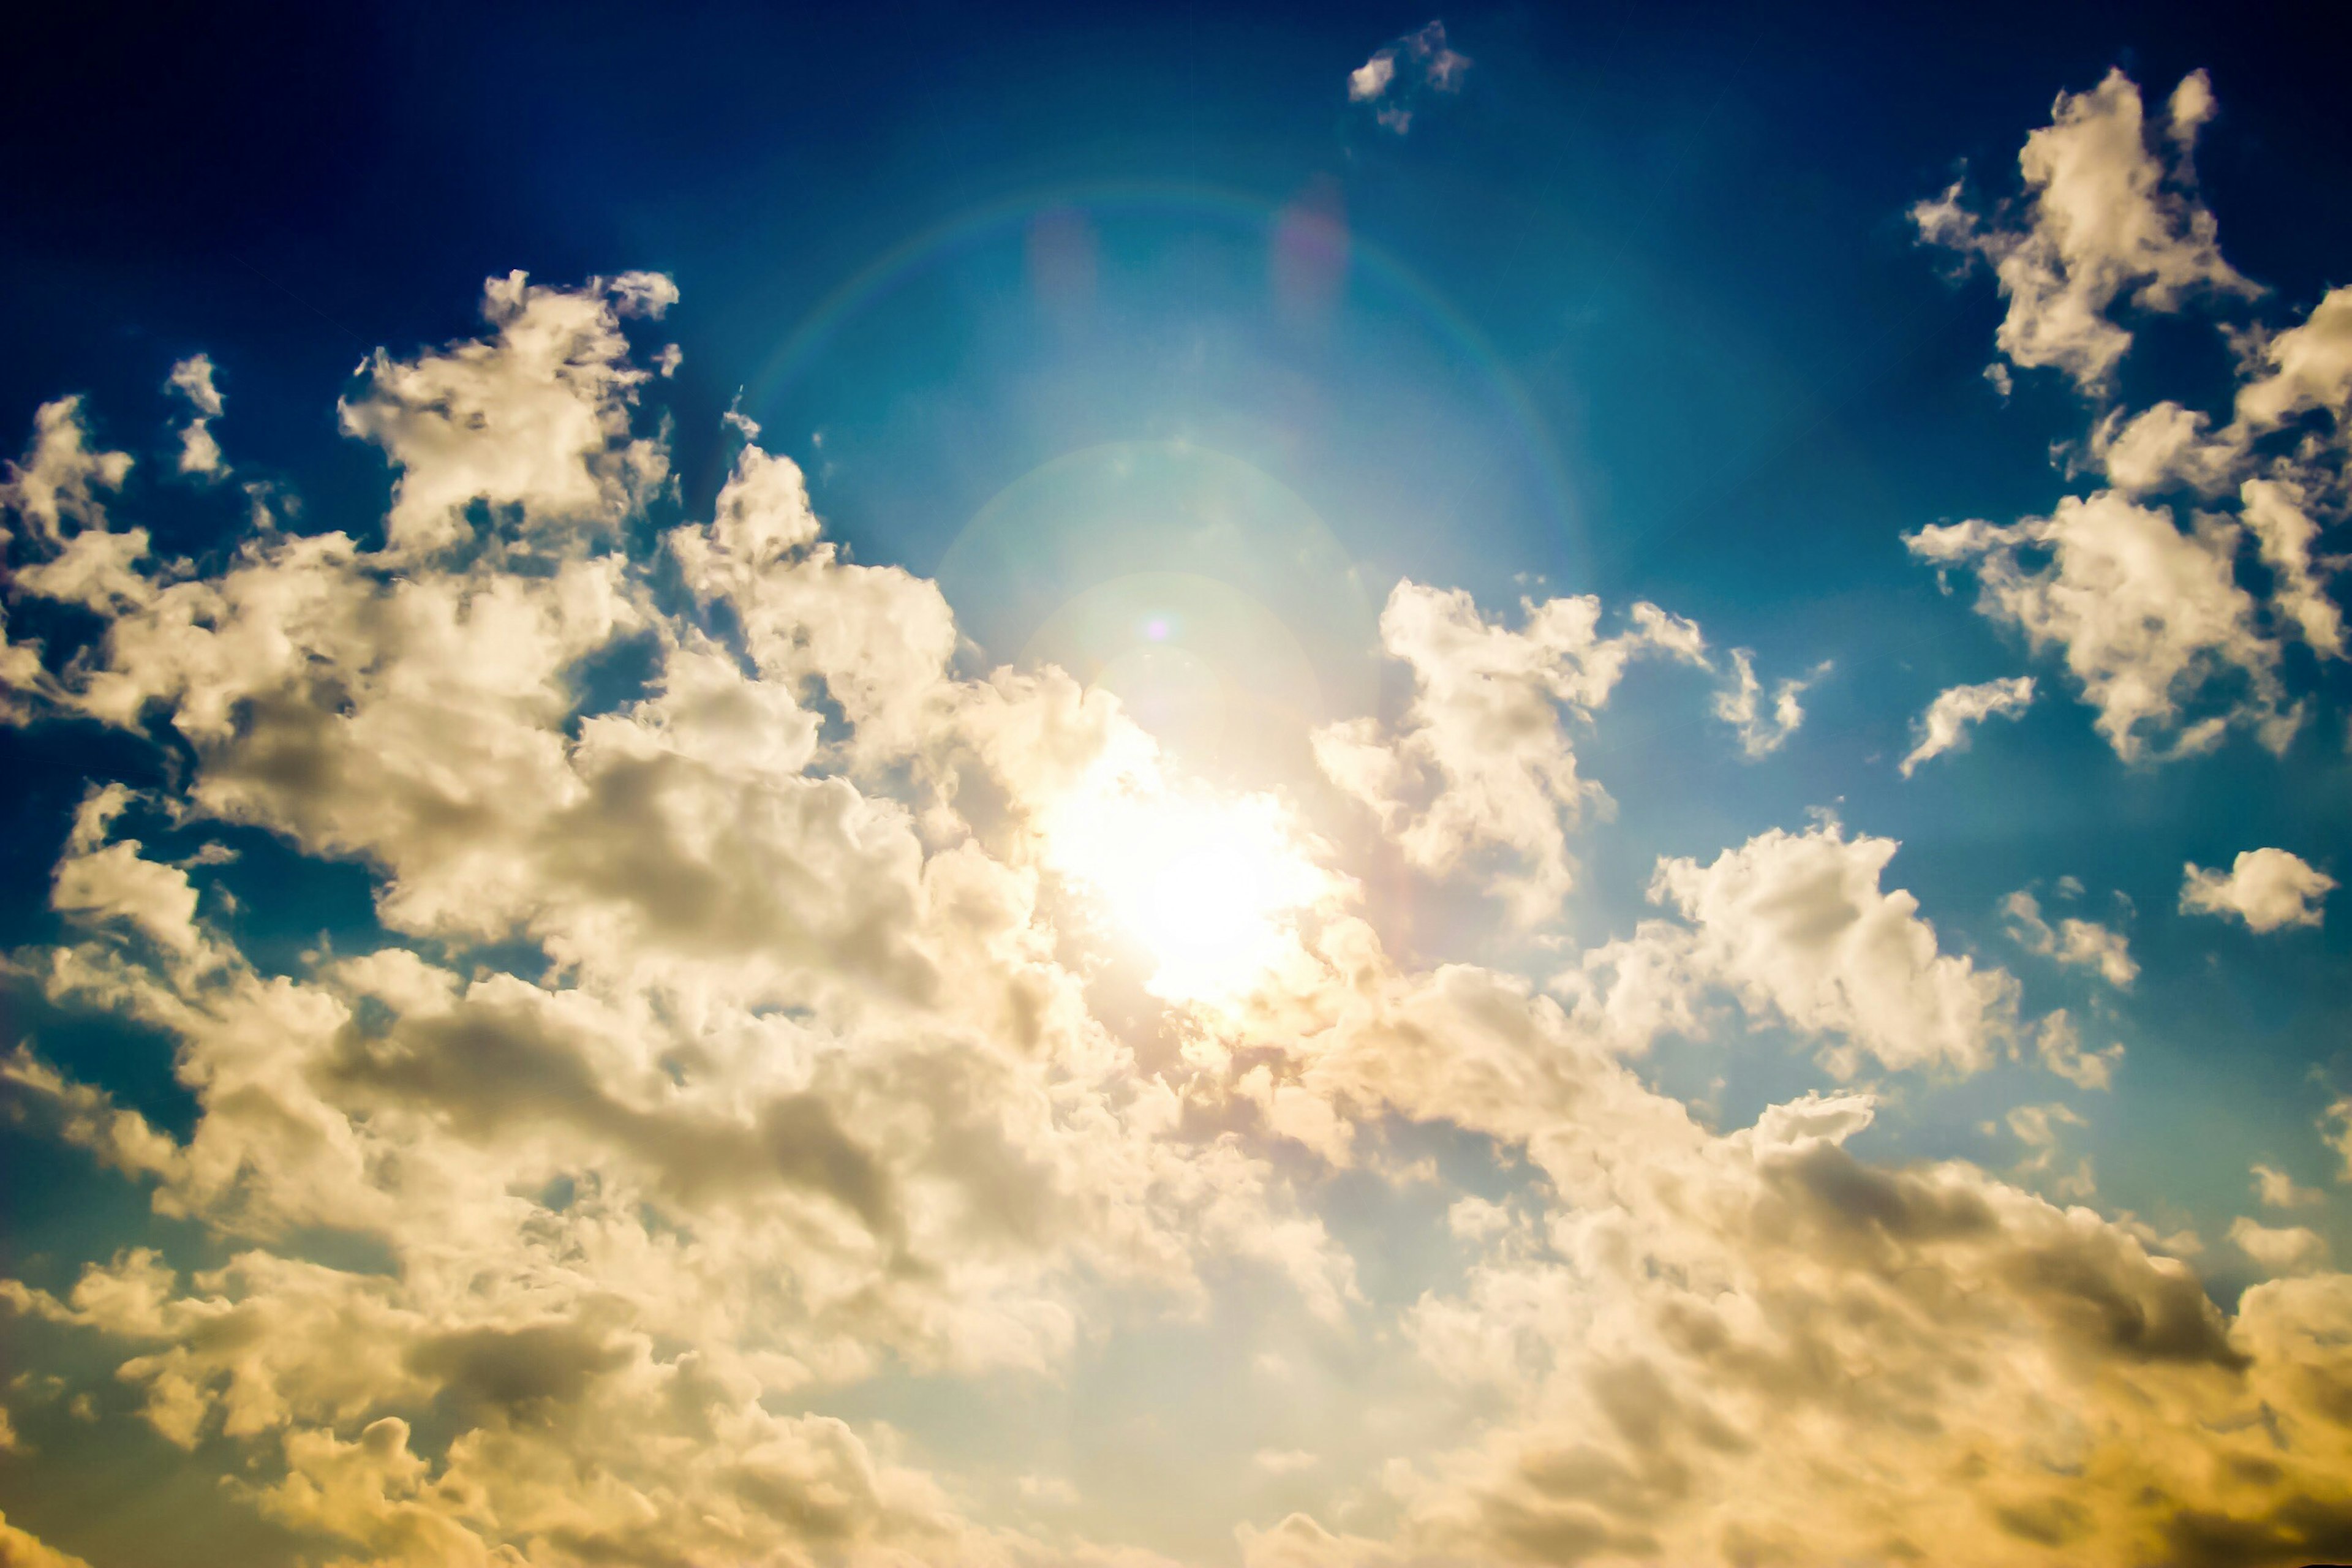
[1274, 787]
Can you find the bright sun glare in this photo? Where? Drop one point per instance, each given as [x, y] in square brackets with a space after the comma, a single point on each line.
[1207, 886]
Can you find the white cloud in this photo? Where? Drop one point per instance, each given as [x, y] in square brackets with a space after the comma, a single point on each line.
[1798, 927]
[801, 1065]
[2102, 221]
[2277, 513]
[2309, 366]
[1741, 705]
[2162, 446]
[2267, 888]
[1721, 1322]
[1399, 75]
[2278, 1190]
[2059, 1044]
[1944, 726]
[2148, 619]
[2281, 1249]
[2339, 1116]
[533, 419]
[2072, 941]
[60, 478]
[200, 452]
[818, 1088]
[1481, 761]
[22, 1548]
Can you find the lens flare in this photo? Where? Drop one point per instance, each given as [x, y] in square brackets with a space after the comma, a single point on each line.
[1210, 887]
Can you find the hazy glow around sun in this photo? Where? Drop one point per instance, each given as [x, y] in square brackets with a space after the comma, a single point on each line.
[1210, 887]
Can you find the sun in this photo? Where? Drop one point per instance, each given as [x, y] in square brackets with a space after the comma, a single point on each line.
[1210, 887]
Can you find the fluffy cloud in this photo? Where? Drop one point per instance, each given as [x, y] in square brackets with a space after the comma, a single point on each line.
[2281, 1249]
[2101, 220]
[2278, 1190]
[1400, 74]
[1944, 726]
[2267, 888]
[71, 553]
[2072, 941]
[535, 420]
[1481, 761]
[792, 1085]
[2149, 615]
[2059, 1044]
[2161, 447]
[2278, 512]
[200, 451]
[2308, 366]
[20, 1549]
[1741, 705]
[1797, 927]
[1710, 1328]
[2149, 619]
[745, 1049]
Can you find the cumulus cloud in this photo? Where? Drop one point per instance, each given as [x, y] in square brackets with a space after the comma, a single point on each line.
[69, 551]
[1741, 705]
[2267, 888]
[2072, 941]
[2147, 607]
[2101, 220]
[1944, 726]
[22, 1548]
[2278, 513]
[1798, 927]
[2278, 1190]
[2281, 1249]
[748, 1037]
[2058, 1043]
[794, 1084]
[534, 419]
[1399, 75]
[1715, 1320]
[2307, 366]
[2147, 618]
[1482, 761]
[200, 451]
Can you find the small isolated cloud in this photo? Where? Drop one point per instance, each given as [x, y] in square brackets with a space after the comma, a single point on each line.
[2336, 1123]
[2267, 888]
[1400, 74]
[1741, 705]
[1285, 1461]
[2059, 1044]
[1944, 726]
[199, 453]
[2277, 1190]
[2281, 1249]
[2085, 943]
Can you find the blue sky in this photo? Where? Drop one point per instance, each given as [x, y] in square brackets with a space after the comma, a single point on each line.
[1175, 786]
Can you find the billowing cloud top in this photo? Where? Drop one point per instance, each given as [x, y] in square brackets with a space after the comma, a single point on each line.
[820, 1024]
